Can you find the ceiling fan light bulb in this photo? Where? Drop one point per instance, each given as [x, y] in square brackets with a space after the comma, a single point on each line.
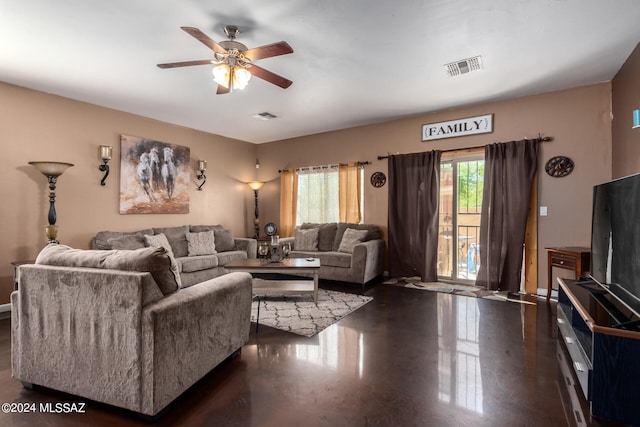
[241, 78]
[221, 75]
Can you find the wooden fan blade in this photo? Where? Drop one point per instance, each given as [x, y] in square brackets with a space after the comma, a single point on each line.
[222, 90]
[204, 39]
[269, 76]
[267, 51]
[185, 63]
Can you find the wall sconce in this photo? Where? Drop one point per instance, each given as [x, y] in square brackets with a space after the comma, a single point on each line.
[257, 163]
[52, 170]
[202, 166]
[636, 119]
[255, 186]
[105, 154]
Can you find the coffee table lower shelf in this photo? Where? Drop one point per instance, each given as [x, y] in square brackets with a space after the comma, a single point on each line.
[307, 268]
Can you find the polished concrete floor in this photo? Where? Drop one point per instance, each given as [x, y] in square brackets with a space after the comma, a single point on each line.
[408, 358]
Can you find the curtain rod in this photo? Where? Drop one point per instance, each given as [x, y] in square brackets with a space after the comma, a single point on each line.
[539, 139]
[326, 166]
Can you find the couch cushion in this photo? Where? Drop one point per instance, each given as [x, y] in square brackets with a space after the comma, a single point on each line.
[189, 264]
[223, 237]
[326, 234]
[374, 232]
[306, 240]
[202, 243]
[128, 242]
[177, 237]
[153, 260]
[351, 238]
[101, 241]
[228, 256]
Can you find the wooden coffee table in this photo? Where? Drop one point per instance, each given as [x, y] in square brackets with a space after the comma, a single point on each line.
[306, 267]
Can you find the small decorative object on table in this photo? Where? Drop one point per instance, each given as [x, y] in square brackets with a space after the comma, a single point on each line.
[275, 249]
[263, 249]
[286, 250]
[270, 229]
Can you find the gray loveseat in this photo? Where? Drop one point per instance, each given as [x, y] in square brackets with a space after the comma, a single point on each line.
[356, 260]
[193, 267]
[112, 334]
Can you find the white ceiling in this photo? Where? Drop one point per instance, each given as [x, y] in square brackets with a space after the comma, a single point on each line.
[355, 61]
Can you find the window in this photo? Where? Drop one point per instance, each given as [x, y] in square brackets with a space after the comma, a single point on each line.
[318, 200]
[461, 187]
[331, 193]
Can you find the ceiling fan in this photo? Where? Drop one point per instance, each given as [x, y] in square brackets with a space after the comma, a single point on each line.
[234, 61]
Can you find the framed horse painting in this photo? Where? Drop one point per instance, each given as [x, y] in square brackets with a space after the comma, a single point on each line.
[154, 177]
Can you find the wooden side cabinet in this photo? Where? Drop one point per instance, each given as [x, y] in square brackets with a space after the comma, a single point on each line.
[572, 258]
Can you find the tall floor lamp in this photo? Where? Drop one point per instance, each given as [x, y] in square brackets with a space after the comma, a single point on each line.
[255, 186]
[52, 170]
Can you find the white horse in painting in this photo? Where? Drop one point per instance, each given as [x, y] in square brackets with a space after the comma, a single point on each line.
[143, 170]
[169, 171]
[154, 160]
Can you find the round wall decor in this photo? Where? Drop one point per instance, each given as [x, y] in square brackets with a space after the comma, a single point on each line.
[378, 179]
[559, 166]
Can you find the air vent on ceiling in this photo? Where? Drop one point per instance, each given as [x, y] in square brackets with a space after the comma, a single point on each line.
[264, 116]
[464, 66]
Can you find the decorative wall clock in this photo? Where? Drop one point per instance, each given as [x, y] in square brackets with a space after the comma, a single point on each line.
[559, 166]
[378, 179]
[270, 229]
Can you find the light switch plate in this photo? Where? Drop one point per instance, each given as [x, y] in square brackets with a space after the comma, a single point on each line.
[543, 211]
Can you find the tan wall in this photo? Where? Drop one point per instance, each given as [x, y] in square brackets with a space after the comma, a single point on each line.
[625, 99]
[578, 120]
[37, 126]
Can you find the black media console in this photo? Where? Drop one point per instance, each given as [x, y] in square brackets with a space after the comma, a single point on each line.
[603, 340]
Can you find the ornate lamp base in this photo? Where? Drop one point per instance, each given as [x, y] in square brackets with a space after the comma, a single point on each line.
[52, 233]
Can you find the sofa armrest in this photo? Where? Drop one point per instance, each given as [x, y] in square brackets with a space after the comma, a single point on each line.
[77, 330]
[250, 246]
[187, 334]
[368, 259]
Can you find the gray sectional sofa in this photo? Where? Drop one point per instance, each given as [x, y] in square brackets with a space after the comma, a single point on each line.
[194, 266]
[358, 258]
[114, 327]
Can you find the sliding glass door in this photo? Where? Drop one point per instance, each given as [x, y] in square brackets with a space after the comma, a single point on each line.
[461, 186]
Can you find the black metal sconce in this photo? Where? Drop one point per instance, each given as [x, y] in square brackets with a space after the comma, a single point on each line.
[105, 154]
[202, 167]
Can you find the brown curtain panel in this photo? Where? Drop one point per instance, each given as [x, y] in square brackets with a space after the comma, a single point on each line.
[508, 174]
[288, 202]
[414, 193]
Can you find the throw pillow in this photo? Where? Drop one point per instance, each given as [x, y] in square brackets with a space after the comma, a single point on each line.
[128, 242]
[351, 238]
[161, 241]
[153, 260]
[306, 240]
[224, 240]
[158, 241]
[202, 243]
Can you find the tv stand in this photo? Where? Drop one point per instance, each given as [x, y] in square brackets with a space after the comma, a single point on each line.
[603, 341]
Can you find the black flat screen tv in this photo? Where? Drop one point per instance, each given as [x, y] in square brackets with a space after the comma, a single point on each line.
[615, 239]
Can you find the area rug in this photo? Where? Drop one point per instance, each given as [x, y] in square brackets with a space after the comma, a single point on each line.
[300, 315]
[458, 289]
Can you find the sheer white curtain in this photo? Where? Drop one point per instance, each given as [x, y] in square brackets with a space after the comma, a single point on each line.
[318, 195]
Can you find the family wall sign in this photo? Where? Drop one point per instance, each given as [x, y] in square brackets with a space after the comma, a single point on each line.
[460, 127]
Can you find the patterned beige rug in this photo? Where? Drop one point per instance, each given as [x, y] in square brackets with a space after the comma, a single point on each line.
[459, 289]
[300, 315]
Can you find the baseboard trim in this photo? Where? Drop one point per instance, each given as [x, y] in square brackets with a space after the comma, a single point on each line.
[5, 307]
[542, 292]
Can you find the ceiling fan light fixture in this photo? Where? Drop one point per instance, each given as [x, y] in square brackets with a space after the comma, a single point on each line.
[240, 76]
